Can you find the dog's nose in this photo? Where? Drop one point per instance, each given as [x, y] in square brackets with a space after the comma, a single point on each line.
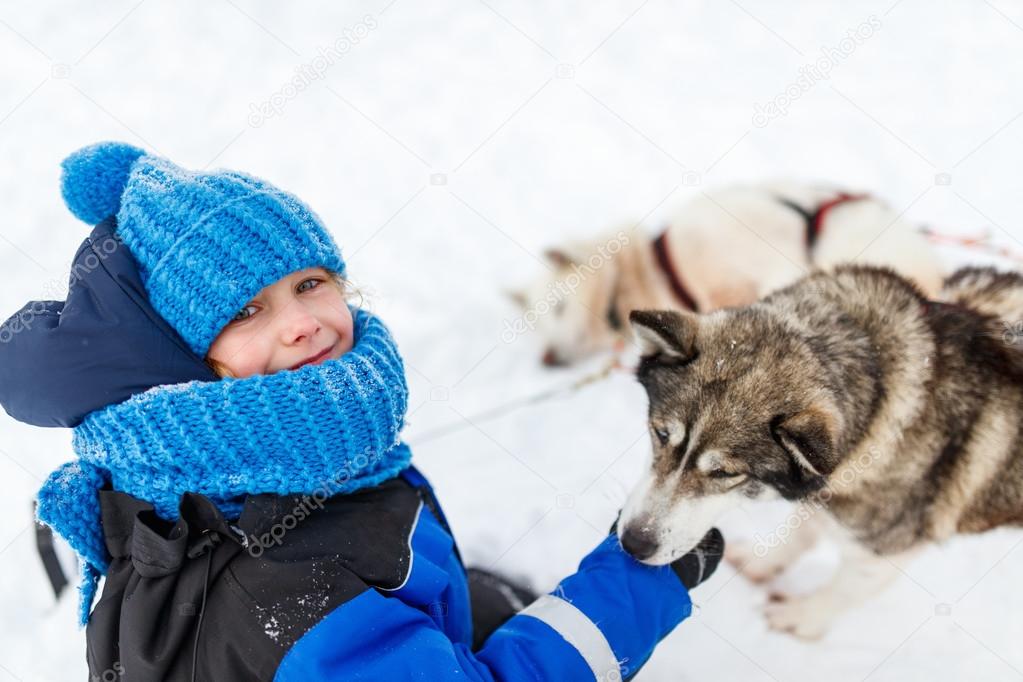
[552, 359]
[640, 542]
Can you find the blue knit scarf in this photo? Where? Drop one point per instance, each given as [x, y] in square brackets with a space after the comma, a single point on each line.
[332, 426]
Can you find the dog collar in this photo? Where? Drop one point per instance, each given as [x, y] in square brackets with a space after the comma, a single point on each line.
[664, 261]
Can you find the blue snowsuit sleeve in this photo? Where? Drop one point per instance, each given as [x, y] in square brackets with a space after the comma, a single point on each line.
[601, 623]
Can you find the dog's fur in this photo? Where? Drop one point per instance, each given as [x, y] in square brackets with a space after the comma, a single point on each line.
[731, 247]
[896, 417]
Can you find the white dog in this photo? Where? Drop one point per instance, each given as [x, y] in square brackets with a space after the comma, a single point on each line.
[722, 248]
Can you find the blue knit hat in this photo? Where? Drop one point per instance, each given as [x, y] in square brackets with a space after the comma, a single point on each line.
[206, 242]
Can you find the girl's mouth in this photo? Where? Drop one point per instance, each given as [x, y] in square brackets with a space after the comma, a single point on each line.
[316, 359]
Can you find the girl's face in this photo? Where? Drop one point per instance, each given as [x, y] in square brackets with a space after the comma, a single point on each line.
[299, 318]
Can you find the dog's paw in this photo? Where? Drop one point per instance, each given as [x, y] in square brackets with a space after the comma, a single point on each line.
[798, 616]
[755, 567]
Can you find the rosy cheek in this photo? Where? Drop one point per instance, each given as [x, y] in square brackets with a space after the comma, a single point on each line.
[248, 357]
[349, 330]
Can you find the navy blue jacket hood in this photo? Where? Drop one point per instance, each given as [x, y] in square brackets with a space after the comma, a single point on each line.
[61, 360]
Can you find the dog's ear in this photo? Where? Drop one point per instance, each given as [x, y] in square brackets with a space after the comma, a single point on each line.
[558, 256]
[809, 438]
[666, 333]
[517, 296]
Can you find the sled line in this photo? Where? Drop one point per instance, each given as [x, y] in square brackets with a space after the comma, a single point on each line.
[512, 405]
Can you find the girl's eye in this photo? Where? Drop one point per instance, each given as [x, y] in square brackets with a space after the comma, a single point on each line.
[239, 317]
[662, 436]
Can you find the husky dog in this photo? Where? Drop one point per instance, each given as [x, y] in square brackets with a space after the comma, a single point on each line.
[894, 419]
[727, 247]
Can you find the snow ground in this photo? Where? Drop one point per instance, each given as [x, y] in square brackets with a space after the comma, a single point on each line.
[445, 150]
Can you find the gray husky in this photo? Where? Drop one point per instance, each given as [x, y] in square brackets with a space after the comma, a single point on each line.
[893, 419]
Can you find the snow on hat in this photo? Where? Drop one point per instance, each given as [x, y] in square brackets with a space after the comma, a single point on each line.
[206, 242]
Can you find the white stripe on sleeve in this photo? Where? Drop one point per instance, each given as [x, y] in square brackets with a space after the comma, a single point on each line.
[579, 631]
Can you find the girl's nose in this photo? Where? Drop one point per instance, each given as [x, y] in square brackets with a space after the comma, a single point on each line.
[298, 323]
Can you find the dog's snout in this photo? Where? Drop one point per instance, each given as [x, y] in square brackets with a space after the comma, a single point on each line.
[551, 358]
[639, 541]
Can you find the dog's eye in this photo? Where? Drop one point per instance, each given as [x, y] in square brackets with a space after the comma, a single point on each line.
[662, 436]
[721, 473]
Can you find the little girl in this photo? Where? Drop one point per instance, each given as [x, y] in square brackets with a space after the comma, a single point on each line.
[240, 480]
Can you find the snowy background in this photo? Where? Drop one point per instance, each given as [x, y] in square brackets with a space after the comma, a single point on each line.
[445, 149]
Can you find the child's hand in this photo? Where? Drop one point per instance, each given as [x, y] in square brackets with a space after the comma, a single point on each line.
[700, 562]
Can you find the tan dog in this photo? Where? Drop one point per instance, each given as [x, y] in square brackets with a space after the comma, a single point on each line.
[723, 248]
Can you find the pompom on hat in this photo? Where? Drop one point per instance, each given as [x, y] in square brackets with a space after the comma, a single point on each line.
[206, 242]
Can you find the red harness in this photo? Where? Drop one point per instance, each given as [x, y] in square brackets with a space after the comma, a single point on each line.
[815, 222]
[664, 260]
[814, 227]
